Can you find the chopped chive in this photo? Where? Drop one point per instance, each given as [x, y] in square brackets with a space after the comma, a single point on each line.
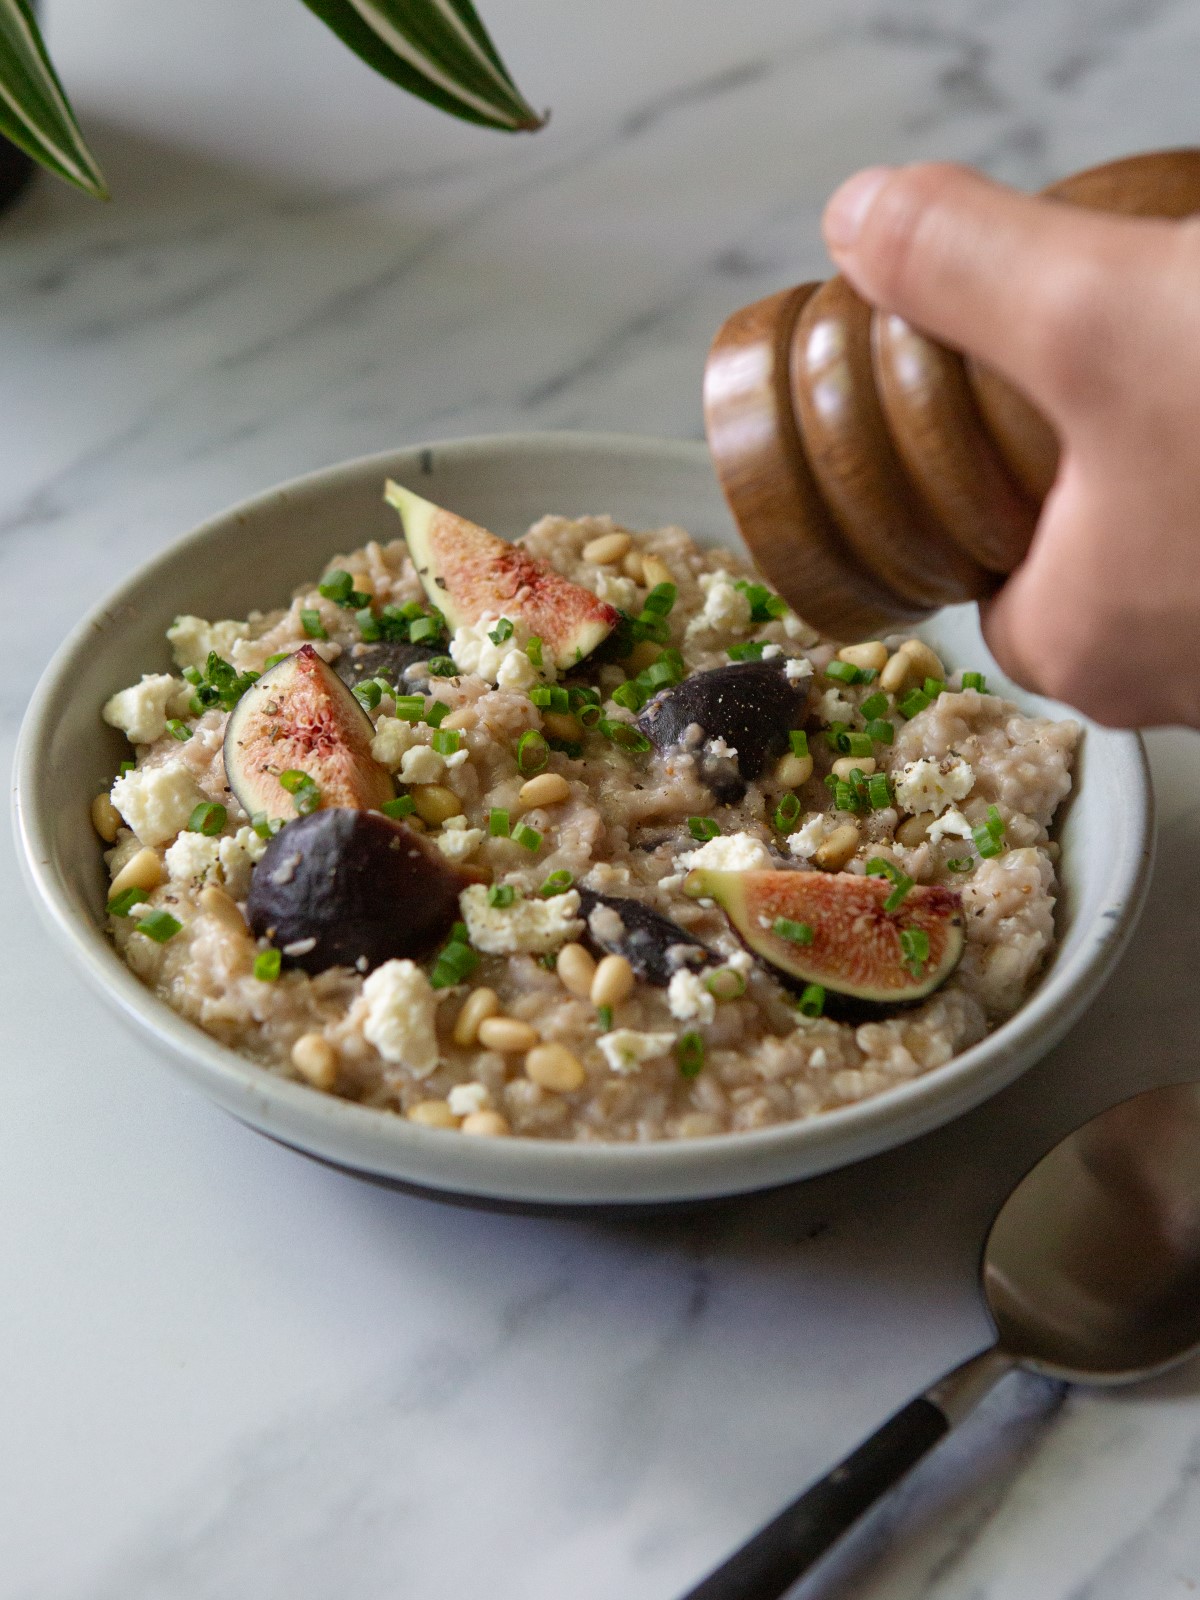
[159, 926]
[310, 621]
[786, 812]
[437, 714]
[914, 946]
[368, 694]
[208, 818]
[901, 883]
[661, 600]
[446, 741]
[812, 1001]
[880, 731]
[726, 983]
[264, 826]
[604, 1018]
[532, 751]
[178, 729]
[499, 824]
[126, 766]
[689, 1053]
[750, 651]
[338, 586]
[974, 680]
[933, 687]
[629, 696]
[502, 632]
[534, 650]
[845, 797]
[442, 667]
[305, 795]
[121, 905]
[370, 628]
[501, 895]
[528, 838]
[798, 740]
[703, 828]
[874, 705]
[649, 625]
[794, 932]
[194, 676]
[959, 864]
[843, 672]
[856, 744]
[556, 883]
[402, 806]
[879, 791]
[423, 629]
[589, 716]
[995, 822]
[266, 965]
[566, 747]
[581, 694]
[764, 606]
[913, 703]
[410, 707]
[989, 836]
[455, 962]
[624, 735]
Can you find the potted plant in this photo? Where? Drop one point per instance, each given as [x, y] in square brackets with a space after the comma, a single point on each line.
[437, 49]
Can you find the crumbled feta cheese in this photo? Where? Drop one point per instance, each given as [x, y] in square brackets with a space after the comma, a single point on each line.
[192, 858]
[950, 822]
[533, 926]
[834, 707]
[720, 750]
[933, 785]
[625, 1049]
[401, 1016]
[156, 802]
[797, 668]
[238, 856]
[474, 650]
[688, 998]
[729, 852]
[466, 1098]
[393, 739]
[810, 835]
[796, 628]
[191, 639]
[421, 764]
[141, 712]
[456, 758]
[459, 843]
[622, 592]
[770, 652]
[725, 606]
[516, 672]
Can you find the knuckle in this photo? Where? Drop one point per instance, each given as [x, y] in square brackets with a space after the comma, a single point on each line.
[902, 221]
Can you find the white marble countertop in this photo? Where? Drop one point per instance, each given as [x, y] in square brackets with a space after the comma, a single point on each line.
[228, 1371]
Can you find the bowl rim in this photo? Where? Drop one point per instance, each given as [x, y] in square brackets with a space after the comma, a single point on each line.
[373, 1141]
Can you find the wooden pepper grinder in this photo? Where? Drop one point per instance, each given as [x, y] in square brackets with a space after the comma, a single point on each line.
[874, 474]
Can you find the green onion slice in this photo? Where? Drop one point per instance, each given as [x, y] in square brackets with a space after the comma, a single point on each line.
[208, 818]
[310, 621]
[267, 964]
[901, 883]
[122, 904]
[914, 946]
[556, 883]
[703, 828]
[794, 932]
[689, 1053]
[159, 926]
[178, 729]
[501, 895]
[402, 806]
[528, 838]
[532, 751]
[798, 740]
[812, 1001]
[499, 824]
[502, 632]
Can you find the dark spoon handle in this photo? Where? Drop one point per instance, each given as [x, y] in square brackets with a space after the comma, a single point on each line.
[795, 1540]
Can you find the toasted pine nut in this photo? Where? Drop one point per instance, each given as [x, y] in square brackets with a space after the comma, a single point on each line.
[792, 771]
[607, 548]
[562, 725]
[845, 765]
[434, 802]
[217, 903]
[106, 819]
[486, 1125]
[576, 970]
[926, 662]
[655, 571]
[632, 566]
[142, 871]
[872, 654]
[507, 1036]
[480, 1003]
[547, 789]
[613, 982]
[644, 654]
[914, 830]
[837, 848]
[315, 1059]
[553, 1066]
[898, 674]
[432, 1114]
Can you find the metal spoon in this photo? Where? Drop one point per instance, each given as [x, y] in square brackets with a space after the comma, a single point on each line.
[1091, 1273]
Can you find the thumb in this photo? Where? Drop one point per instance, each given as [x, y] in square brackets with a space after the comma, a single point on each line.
[1005, 276]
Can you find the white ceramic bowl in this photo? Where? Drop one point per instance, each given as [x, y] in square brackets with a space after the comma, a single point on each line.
[253, 556]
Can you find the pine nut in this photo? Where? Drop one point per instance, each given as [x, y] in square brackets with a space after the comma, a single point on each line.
[644, 654]
[914, 830]
[562, 725]
[834, 851]
[142, 871]
[871, 655]
[576, 970]
[222, 906]
[507, 1036]
[479, 1004]
[432, 1114]
[655, 571]
[486, 1125]
[632, 566]
[845, 765]
[553, 1066]
[926, 663]
[897, 675]
[434, 802]
[315, 1059]
[792, 771]
[613, 982]
[547, 789]
[609, 547]
[106, 819]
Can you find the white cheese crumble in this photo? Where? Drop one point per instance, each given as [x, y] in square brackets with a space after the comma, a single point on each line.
[421, 764]
[688, 998]
[622, 592]
[797, 668]
[625, 1049]
[192, 858]
[534, 927]
[458, 843]
[516, 672]
[401, 1016]
[393, 739]
[729, 852]
[474, 650]
[812, 833]
[191, 639]
[720, 750]
[933, 785]
[834, 707]
[239, 855]
[771, 652]
[725, 606]
[467, 1098]
[141, 712]
[950, 822]
[156, 802]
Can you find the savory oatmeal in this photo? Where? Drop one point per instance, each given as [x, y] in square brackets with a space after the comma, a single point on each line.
[583, 837]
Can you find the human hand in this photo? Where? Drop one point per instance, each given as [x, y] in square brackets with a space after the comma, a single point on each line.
[1097, 320]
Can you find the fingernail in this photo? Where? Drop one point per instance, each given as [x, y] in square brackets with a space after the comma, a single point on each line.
[848, 206]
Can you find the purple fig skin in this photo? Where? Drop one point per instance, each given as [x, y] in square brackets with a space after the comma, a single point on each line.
[388, 659]
[345, 888]
[647, 940]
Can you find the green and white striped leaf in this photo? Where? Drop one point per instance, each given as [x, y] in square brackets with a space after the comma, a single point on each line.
[437, 49]
[34, 112]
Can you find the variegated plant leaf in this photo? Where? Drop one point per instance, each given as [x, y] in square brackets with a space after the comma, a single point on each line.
[437, 49]
[34, 112]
